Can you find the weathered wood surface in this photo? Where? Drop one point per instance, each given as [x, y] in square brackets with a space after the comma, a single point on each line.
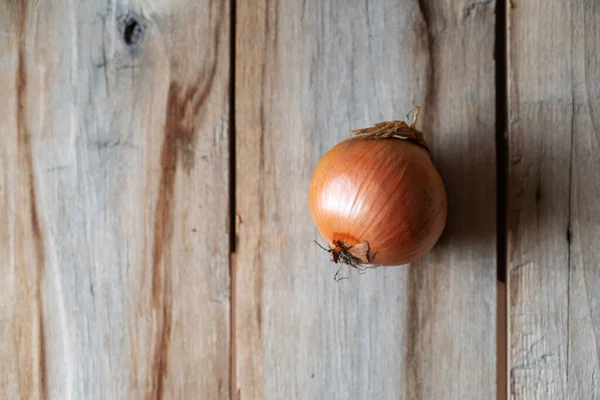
[114, 200]
[306, 73]
[554, 218]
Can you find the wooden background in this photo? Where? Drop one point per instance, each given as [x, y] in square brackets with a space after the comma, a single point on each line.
[155, 158]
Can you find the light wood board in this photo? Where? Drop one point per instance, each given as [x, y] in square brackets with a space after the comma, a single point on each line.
[114, 200]
[306, 74]
[554, 213]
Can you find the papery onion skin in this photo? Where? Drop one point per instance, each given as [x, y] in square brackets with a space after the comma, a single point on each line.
[386, 192]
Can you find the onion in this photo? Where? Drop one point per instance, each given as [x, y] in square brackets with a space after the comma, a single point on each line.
[377, 198]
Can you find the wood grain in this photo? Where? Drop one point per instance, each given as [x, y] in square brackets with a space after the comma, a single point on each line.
[554, 213]
[306, 74]
[114, 200]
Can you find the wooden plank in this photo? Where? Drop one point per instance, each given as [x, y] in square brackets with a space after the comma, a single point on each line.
[306, 73]
[554, 213]
[114, 199]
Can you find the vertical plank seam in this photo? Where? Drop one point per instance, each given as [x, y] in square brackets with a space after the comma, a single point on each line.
[502, 123]
[569, 216]
[501, 136]
[233, 233]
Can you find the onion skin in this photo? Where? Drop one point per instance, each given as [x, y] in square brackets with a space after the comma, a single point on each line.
[386, 192]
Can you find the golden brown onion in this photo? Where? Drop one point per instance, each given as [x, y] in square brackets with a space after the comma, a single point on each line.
[377, 198]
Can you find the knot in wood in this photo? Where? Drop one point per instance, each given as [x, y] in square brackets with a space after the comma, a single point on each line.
[132, 31]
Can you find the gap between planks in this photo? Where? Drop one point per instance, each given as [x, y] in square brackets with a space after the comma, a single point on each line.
[233, 228]
[501, 61]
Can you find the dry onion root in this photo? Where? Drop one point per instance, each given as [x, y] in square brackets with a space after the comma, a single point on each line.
[377, 197]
